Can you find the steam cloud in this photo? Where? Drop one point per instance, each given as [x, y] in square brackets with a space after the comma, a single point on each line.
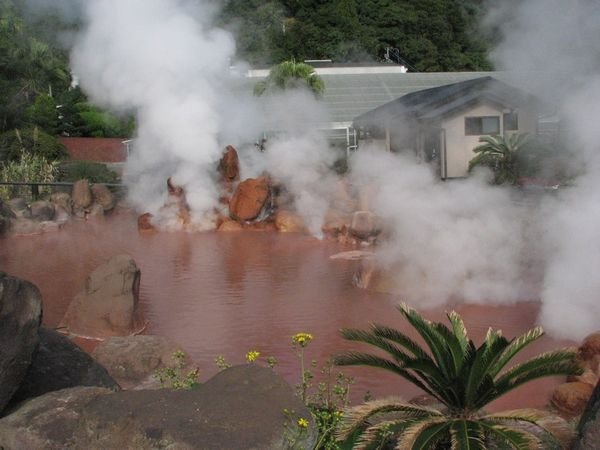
[165, 62]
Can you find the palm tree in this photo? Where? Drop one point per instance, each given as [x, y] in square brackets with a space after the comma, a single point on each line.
[461, 377]
[289, 75]
[502, 154]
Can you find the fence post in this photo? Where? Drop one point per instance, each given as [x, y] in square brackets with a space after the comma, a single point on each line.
[35, 191]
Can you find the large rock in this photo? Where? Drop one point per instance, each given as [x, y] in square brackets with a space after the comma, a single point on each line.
[103, 196]
[81, 195]
[590, 347]
[42, 211]
[63, 200]
[108, 306]
[133, 360]
[571, 398]
[589, 425]
[240, 408]
[57, 364]
[289, 222]
[20, 317]
[249, 198]
[6, 217]
[364, 224]
[49, 422]
[229, 165]
[230, 225]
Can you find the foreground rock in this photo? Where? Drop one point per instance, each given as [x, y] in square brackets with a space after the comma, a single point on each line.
[240, 408]
[109, 304]
[133, 360]
[589, 425]
[229, 165]
[57, 364]
[249, 199]
[20, 317]
[6, 216]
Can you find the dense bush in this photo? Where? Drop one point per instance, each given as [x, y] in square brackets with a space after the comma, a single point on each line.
[30, 140]
[91, 171]
[29, 167]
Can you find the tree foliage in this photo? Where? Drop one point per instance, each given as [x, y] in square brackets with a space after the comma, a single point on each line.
[291, 75]
[432, 35]
[33, 141]
[463, 378]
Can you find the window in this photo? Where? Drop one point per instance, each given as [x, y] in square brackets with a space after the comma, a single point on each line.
[511, 121]
[482, 125]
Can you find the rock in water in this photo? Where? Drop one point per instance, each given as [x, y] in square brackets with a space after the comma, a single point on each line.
[58, 364]
[108, 306]
[249, 199]
[289, 222]
[103, 196]
[42, 211]
[133, 360]
[20, 317]
[81, 194]
[6, 217]
[229, 165]
[571, 398]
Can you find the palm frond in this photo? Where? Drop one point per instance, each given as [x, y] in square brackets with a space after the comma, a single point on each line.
[515, 346]
[517, 439]
[368, 337]
[466, 435]
[358, 417]
[365, 359]
[460, 331]
[400, 339]
[424, 434]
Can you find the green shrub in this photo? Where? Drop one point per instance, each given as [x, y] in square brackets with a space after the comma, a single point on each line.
[30, 140]
[91, 171]
[29, 167]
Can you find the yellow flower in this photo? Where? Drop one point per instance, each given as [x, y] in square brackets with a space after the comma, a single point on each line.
[302, 339]
[252, 356]
[302, 422]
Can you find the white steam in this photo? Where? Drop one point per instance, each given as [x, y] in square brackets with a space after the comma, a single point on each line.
[558, 40]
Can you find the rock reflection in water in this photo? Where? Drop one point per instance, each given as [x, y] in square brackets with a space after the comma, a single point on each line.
[228, 293]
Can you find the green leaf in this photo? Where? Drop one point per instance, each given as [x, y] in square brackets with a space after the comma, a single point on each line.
[466, 435]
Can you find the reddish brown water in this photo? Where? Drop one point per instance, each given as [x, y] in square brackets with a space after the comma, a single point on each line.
[228, 293]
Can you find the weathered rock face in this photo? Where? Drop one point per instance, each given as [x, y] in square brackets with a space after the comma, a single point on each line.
[364, 224]
[20, 317]
[215, 415]
[589, 425]
[133, 360]
[249, 198]
[229, 165]
[42, 211]
[63, 200]
[288, 222]
[49, 421]
[571, 398]
[230, 225]
[109, 304]
[6, 217]
[57, 364]
[102, 196]
[177, 201]
[590, 347]
[81, 194]
[144, 222]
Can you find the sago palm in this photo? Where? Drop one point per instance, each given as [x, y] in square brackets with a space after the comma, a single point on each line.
[462, 377]
[502, 154]
[289, 75]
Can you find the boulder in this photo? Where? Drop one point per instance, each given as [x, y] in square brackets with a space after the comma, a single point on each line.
[229, 165]
[230, 225]
[96, 210]
[590, 347]
[289, 222]
[6, 217]
[20, 317]
[81, 194]
[144, 222]
[42, 211]
[108, 306]
[249, 198]
[240, 408]
[589, 424]
[103, 196]
[25, 226]
[58, 363]
[177, 202]
[63, 200]
[364, 225]
[49, 421]
[133, 360]
[571, 398]
[17, 207]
